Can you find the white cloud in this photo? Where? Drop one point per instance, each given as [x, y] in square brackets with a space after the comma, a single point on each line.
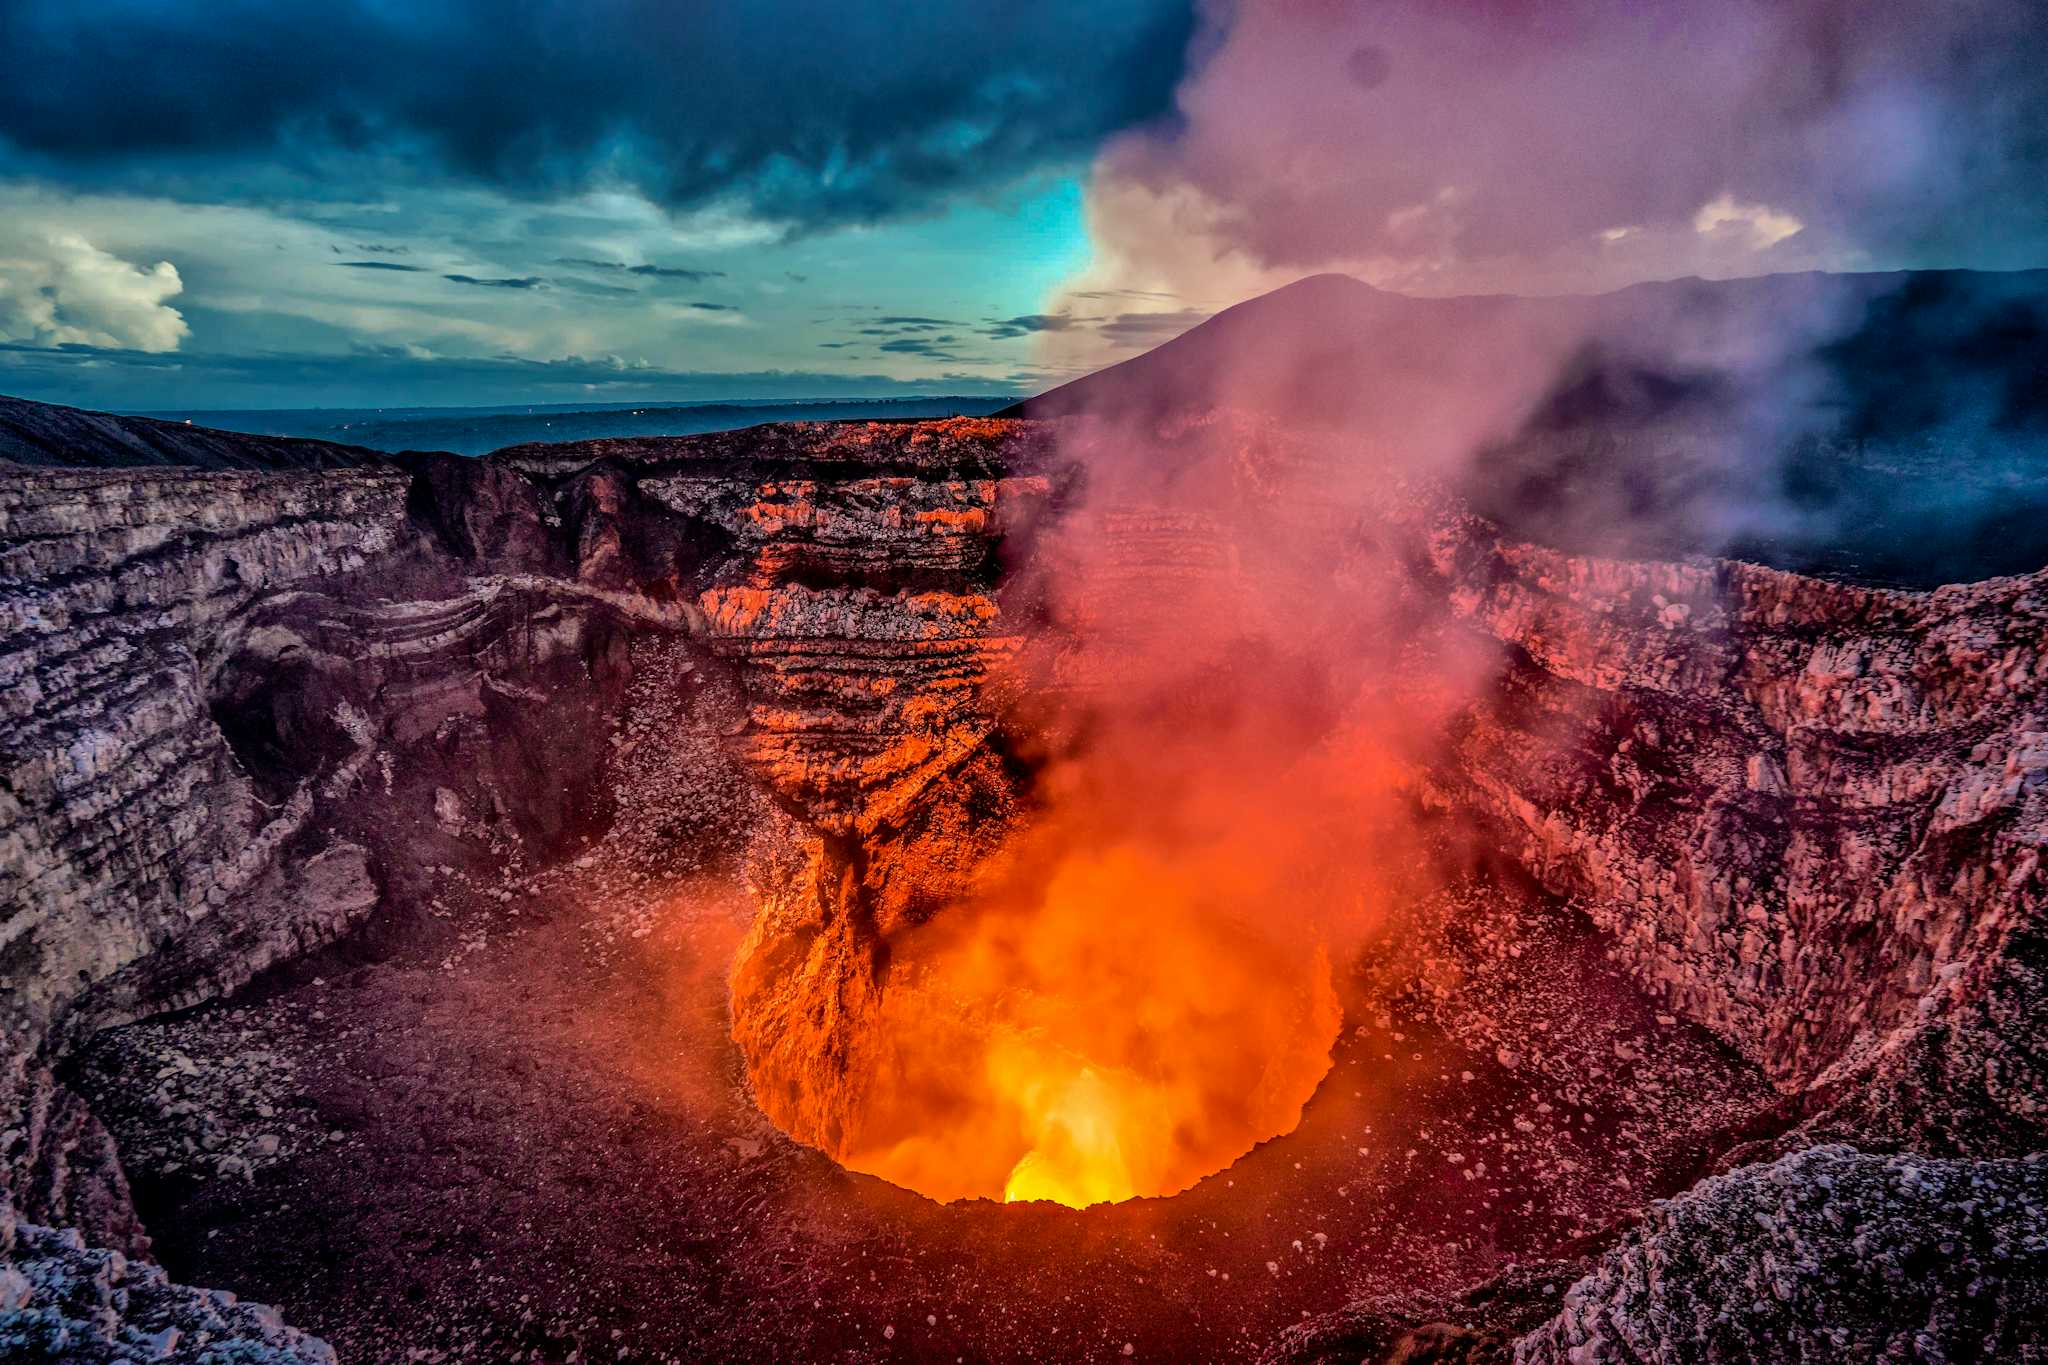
[1760, 224]
[60, 290]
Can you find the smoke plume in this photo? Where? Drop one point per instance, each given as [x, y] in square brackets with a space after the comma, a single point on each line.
[1242, 663]
[1583, 145]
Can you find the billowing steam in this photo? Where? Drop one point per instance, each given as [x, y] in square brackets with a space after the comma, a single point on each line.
[1239, 659]
[1528, 150]
[1543, 146]
[1147, 980]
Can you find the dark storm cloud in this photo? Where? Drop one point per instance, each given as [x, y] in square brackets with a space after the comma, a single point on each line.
[659, 272]
[706, 307]
[379, 265]
[809, 112]
[1030, 324]
[903, 325]
[593, 287]
[510, 282]
[936, 348]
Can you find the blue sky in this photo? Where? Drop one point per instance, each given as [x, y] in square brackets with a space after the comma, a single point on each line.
[466, 296]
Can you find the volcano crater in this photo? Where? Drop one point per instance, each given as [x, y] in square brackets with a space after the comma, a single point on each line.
[595, 845]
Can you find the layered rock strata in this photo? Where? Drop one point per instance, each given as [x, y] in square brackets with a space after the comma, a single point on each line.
[229, 701]
[218, 682]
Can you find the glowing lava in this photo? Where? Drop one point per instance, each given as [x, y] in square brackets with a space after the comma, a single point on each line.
[1077, 1155]
[1124, 1033]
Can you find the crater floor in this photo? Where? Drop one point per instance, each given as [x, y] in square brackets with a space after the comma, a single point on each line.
[524, 1134]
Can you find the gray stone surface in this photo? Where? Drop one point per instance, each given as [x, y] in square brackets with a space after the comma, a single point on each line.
[62, 1300]
[1827, 1255]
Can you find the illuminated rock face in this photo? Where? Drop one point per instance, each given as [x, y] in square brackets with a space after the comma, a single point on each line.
[1810, 813]
[956, 985]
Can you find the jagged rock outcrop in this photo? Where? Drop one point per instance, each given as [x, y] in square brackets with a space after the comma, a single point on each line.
[1477, 1327]
[862, 621]
[61, 1300]
[1827, 1255]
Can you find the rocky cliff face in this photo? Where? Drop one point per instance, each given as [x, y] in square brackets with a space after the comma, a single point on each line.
[1812, 815]
[63, 1300]
[234, 698]
[231, 698]
[127, 818]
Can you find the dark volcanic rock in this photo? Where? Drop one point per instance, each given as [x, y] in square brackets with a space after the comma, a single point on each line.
[484, 512]
[62, 1300]
[48, 436]
[1478, 1327]
[1827, 1255]
[1812, 814]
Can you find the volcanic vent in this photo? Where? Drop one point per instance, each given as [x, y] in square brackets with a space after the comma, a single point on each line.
[1158, 788]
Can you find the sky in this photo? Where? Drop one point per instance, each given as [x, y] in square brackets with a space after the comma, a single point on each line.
[273, 203]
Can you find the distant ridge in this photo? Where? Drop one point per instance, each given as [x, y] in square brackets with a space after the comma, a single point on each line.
[1311, 350]
[480, 430]
[47, 435]
[1298, 349]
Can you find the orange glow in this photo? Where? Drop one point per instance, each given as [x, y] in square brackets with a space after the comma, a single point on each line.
[1095, 964]
[1122, 1028]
